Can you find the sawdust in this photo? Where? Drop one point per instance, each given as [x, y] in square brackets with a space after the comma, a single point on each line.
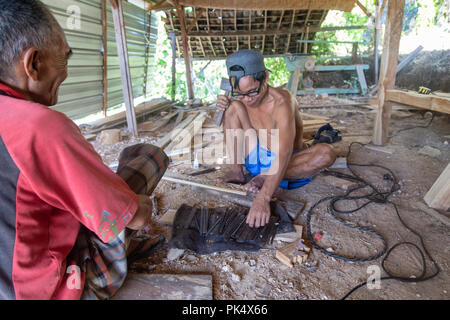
[259, 275]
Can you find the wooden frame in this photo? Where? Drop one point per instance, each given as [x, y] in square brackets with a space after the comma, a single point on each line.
[122, 51]
[388, 68]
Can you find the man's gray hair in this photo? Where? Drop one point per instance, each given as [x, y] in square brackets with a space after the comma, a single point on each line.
[23, 24]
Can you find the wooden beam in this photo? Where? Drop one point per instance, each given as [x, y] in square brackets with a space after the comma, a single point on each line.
[173, 28]
[438, 197]
[187, 58]
[160, 5]
[288, 42]
[363, 8]
[269, 32]
[388, 68]
[105, 57]
[122, 52]
[174, 65]
[194, 22]
[434, 102]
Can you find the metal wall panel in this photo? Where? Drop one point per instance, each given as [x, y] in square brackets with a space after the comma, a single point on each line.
[82, 92]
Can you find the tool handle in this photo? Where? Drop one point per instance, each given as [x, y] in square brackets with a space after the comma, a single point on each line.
[221, 112]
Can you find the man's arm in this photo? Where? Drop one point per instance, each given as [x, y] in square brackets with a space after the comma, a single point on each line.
[285, 123]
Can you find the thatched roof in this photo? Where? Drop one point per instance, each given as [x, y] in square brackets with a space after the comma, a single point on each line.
[217, 28]
[216, 33]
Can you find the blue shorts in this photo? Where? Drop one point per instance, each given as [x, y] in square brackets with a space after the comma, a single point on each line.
[260, 159]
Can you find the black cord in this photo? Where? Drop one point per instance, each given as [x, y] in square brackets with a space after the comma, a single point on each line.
[413, 127]
[376, 196]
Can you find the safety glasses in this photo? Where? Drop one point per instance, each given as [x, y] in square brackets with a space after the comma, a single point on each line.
[251, 93]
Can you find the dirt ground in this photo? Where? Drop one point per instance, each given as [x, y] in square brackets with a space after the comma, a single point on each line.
[259, 275]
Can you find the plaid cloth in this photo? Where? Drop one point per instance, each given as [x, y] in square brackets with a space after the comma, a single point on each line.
[105, 264]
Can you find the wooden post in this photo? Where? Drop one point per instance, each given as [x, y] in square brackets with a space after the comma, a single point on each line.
[438, 196]
[122, 51]
[388, 68]
[105, 57]
[187, 59]
[174, 70]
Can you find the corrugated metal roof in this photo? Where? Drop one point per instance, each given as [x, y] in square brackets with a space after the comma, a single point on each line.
[81, 93]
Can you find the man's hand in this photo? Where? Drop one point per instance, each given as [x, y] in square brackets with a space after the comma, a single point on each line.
[259, 213]
[143, 214]
[223, 102]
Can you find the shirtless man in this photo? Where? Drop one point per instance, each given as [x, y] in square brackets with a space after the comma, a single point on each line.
[256, 106]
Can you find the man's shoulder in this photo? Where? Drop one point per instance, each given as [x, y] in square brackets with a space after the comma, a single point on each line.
[283, 100]
[34, 116]
[282, 96]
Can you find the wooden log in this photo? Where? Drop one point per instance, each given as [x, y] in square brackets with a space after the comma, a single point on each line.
[438, 197]
[165, 287]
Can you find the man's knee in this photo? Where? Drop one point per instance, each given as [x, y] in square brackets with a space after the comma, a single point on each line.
[325, 155]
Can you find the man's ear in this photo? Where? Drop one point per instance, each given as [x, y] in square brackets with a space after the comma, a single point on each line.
[267, 77]
[31, 62]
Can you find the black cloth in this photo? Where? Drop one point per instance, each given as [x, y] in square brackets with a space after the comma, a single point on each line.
[208, 230]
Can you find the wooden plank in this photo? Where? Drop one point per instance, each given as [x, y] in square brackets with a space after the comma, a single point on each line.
[361, 79]
[204, 186]
[119, 118]
[165, 287]
[438, 197]
[433, 102]
[388, 69]
[294, 84]
[163, 142]
[340, 183]
[122, 52]
[186, 134]
[290, 236]
[156, 125]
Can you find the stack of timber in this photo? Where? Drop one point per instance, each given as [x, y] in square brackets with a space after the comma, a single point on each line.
[155, 105]
[181, 136]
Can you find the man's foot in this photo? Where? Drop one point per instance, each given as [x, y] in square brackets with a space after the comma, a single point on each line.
[233, 176]
[255, 184]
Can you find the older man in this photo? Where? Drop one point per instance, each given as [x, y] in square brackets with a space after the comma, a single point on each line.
[273, 113]
[63, 213]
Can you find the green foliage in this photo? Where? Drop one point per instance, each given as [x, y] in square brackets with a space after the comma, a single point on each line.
[278, 71]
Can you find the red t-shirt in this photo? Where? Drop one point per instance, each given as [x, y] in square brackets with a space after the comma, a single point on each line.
[56, 181]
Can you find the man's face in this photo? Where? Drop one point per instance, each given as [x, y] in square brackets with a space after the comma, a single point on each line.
[250, 91]
[53, 72]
